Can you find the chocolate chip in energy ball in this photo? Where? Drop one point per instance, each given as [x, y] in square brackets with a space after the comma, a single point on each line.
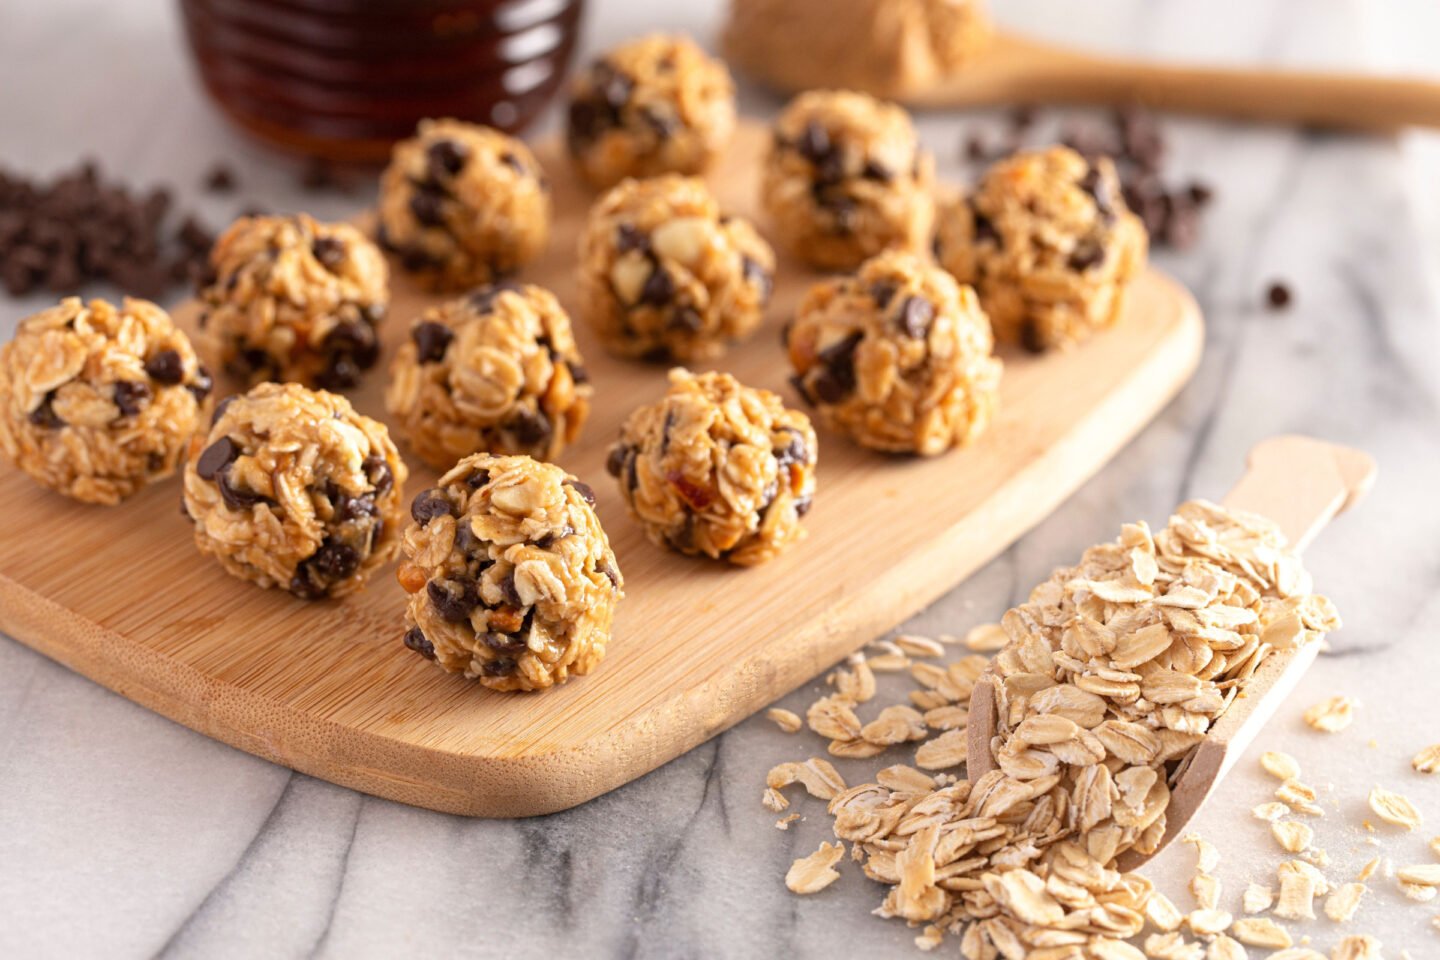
[328, 251]
[165, 367]
[216, 457]
[416, 640]
[431, 339]
[378, 472]
[130, 396]
[916, 315]
[658, 289]
[453, 599]
[334, 560]
[45, 415]
[429, 504]
[445, 158]
[587, 493]
[530, 426]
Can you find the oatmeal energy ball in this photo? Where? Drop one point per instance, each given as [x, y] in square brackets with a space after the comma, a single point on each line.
[462, 205]
[663, 275]
[292, 488]
[510, 575]
[497, 371]
[97, 402]
[717, 468]
[295, 300]
[846, 178]
[650, 106]
[898, 356]
[1048, 243]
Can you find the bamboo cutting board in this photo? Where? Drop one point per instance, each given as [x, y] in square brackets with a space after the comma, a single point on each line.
[121, 595]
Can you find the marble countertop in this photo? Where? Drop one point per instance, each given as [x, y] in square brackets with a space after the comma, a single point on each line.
[124, 835]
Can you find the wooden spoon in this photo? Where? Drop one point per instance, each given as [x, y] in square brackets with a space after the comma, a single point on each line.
[1013, 69]
[1300, 484]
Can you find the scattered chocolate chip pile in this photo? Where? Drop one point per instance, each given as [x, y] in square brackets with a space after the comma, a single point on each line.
[1134, 141]
[77, 228]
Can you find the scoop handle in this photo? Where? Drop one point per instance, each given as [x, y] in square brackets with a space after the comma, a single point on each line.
[1298, 482]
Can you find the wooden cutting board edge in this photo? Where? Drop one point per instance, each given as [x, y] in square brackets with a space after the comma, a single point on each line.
[546, 782]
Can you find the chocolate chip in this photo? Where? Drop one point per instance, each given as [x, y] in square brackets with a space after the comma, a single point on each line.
[803, 504]
[658, 289]
[505, 642]
[166, 367]
[465, 537]
[587, 493]
[220, 179]
[795, 451]
[45, 415]
[453, 599]
[428, 206]
[614, 86]
[530, 427]
[415, 640]
[220, 409]
[615, 459]
[758, 275]
[333, 562]
[1099, 189]
[329, 251]
[814, 143]
[478, 479]
[628, 237]
[683, 537]
[203, 384]
[429, 504]
[579, 374]
[875, 170]
[1278, 295]
[431, 339]
[234, 497]
[837, 374]
[513, 162]
[445, 158]
[1032, 337]
[508, 591]
[611, 573]
[585, 120]
[881, 293]
[484, 298]
[378, 472]
[303, 587]
[216, 457]
[1087, 253]
[130, 395]
[916, 315]
[355, 508]
[686, 318]
[984, 230]
[798, 382]
[662, 122]
[499, 667]
[1200, 193]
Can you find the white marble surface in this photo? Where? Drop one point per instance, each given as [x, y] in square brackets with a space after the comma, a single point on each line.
[124, 835]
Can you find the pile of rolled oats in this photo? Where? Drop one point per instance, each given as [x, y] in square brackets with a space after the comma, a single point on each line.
[1111, 673]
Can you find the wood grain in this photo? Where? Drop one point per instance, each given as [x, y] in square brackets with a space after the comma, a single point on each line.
[1301, 484]
[122, 596]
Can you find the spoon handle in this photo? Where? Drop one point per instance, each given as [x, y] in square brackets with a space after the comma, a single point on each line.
[1019, 70]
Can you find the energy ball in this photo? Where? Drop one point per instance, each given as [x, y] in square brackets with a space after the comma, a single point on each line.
[462, 205]
[717, 468]
[665, 276]
[651, 106]
[295, 300]
[496, 371]
[96, 402]
[511, 578]
[1048, 243]
[292, 488]
[845, 179]
[897, 356]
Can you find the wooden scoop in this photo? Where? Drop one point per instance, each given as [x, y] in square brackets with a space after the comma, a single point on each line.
[1300, 484]
[1012, 69]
